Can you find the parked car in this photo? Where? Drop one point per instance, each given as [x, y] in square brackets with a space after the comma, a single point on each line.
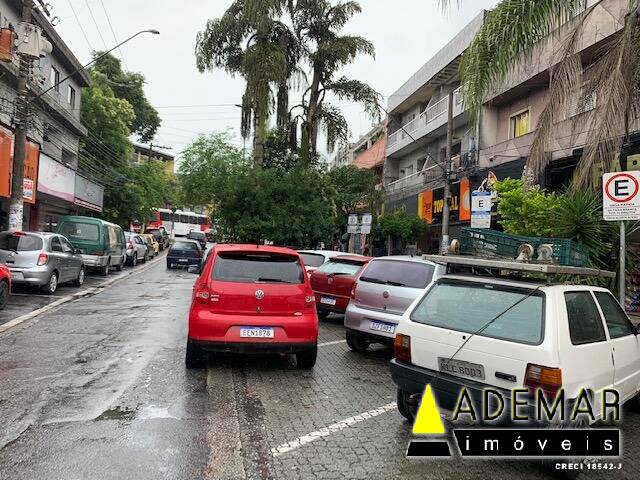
[137, 250]
[185, 253]
[383, 291]
[161, 236]
[253, 299]
[332, 283]
[41, 259]
[493, 332]
[314, 258]
[5, 286]
[199, 236]
[152, 244]
[101, 243]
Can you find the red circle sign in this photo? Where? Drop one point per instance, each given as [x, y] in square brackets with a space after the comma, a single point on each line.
[636, 187]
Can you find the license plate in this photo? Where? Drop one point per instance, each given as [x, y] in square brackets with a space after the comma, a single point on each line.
[328, 300]
[182, 260]
[461, 368]
[17, 276]
[383, 327]
[256, 332]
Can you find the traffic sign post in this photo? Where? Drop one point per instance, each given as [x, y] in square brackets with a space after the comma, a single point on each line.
[621, 202]
[481, 209]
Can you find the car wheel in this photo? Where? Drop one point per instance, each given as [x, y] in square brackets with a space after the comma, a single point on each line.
[104, 271]
[4, 294]
[306, 360]
[356, 342]
[323, 314]
[169, 266]
[194, 356]
[120, 266]
[80, 280]
[52, 284]
[404, 407]
[144, 258]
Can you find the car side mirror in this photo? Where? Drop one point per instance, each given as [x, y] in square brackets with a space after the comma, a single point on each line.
[77, 251]
[194, 269]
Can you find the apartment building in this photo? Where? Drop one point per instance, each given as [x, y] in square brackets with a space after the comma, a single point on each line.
[499, 145]
[141, 154]
[52, 186]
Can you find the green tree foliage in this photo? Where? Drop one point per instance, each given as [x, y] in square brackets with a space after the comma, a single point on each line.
[130, 87]
[402, 225]
[354, 187]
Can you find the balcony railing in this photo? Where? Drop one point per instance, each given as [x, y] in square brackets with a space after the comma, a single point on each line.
[425, 118]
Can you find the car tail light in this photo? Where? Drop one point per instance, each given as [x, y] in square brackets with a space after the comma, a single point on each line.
[547, 379]
[203, 294]
[18, 234]
[309, 299]
[353, 290]
[43, 258]
[402, 348]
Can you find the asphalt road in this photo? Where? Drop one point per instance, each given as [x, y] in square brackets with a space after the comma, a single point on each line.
[97, 389]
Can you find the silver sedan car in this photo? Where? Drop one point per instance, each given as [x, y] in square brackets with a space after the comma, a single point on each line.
[41, 259]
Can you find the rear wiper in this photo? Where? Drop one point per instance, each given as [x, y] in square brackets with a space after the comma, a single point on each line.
[271, 280]
[395, 284]
[337, 274]
[373, 280]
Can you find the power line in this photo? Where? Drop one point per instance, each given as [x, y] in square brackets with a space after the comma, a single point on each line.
[95, 23]
[114, 34]
[84, 34]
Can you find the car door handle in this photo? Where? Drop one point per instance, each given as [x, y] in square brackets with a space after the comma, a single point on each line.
[507, 377]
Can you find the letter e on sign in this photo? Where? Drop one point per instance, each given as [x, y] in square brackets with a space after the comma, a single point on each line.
[621, 196]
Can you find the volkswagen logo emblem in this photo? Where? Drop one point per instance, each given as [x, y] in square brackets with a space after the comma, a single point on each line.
[330, 281]
[385, 294]
[259, 294]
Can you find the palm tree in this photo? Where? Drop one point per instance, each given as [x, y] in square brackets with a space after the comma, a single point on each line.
[317, 24]
[250, 40]
[513, 28]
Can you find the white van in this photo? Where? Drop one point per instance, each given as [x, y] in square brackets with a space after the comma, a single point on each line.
[477, 332]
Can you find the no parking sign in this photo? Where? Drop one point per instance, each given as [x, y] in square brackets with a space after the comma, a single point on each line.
[621, 196]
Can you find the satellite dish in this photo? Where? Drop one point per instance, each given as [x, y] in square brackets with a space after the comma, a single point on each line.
[525, 252]
[545, 253]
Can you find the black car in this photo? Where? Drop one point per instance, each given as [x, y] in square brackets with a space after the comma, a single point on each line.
[199, 236]
[161, 236]
[185, 253]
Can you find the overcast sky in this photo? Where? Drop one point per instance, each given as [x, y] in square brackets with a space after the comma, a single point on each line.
[406, 33]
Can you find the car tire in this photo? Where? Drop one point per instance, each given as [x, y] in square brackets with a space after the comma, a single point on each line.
[51, 286]
[78, 282]
[5, 292]
[323, 314]
[169, 266]
[104, 271]
[404, 407]
[307, 360]
[194, 356]
[120, 266]
[356, 342]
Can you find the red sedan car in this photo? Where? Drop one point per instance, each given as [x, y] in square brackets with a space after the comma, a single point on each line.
[253, 299]
[5, 286]
[332, 283]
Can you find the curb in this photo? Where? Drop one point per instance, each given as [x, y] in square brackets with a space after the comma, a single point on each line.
[75, 296]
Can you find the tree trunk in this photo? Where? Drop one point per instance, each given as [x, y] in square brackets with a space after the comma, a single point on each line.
[259, 127]
[310, 128]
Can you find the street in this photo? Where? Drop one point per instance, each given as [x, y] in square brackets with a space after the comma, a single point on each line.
[97, 389]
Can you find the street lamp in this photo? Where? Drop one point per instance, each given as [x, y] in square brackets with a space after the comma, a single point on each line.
[152, 31]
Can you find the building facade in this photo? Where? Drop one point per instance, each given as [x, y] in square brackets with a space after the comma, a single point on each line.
[142, 154]
[52, 184]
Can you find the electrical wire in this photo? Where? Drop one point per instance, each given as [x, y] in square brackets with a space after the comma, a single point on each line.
[115, 38]
[84, 34]
[96, 24]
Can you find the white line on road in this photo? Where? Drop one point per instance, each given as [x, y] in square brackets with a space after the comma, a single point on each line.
[334, 427]
[326, 344]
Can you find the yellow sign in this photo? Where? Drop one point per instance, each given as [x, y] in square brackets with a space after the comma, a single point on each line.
[428, 421]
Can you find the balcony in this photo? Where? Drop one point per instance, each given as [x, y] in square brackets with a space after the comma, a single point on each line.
[428, 121]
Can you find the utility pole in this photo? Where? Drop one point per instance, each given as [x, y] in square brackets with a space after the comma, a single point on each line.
[16, 205]
[151, 145]
[447, 180]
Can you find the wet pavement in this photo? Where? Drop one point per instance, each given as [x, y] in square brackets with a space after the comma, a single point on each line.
[97, 389]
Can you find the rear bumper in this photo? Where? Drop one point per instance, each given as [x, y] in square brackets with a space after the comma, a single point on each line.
[250, 347]
[32, 276]
[183, 261]
[359, 319]
[339, 307]
[95, 261]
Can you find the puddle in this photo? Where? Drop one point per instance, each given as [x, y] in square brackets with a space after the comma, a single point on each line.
[152, 411]
[116, 413]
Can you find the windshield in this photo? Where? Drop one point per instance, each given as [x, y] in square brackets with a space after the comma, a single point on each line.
[80, 231]
[467, 307]
[399, 273]
[312, 259]
[257, 268]
[20, 242]
[336, 267]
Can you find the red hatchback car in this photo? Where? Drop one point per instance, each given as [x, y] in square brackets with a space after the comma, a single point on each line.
[253, 299]
[5, 286]
[332, 283]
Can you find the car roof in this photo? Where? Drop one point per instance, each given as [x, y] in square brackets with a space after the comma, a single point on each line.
[326, 253]
[41, 234]
[352, 258]
[405, 258]
[87, 220]
[243, 247]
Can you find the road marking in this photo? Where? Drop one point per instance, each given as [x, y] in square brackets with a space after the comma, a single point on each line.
[334, 427]
[326, 344]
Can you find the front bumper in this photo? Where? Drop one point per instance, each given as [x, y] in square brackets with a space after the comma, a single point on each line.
[252, 348]
[359, 319]
[95, 261]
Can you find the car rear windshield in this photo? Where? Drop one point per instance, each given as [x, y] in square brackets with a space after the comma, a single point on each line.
[339, 267]
[244, 267]
[399, 273]
[184, 246]
[80, 231]
[20, 242]
[196, 235]
[468, 307]
[312, 259]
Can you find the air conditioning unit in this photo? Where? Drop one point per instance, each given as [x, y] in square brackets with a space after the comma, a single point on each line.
[456, 163]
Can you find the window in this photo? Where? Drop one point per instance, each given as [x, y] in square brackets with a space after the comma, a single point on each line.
[263, 268]
[165, 216]
[55, 78]
[468, 307]
[581, 102]
[520, 124]
[20, 242]
[71, 96]
[56, 246]
[585, 324]
[409, 170]
[618, 323]
[398, 273]
[66, 246]
[340, 268]
[181, 246]
[81, 231]
[312, 259]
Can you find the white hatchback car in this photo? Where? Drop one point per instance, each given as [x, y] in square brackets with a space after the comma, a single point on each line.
[544, 336]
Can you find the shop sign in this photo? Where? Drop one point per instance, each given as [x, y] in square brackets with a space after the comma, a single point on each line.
[431, 203]
[30, 172]
[56, 179]
[89, 194]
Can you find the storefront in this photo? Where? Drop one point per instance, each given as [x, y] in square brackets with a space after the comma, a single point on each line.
[56, 193]
[88, 195]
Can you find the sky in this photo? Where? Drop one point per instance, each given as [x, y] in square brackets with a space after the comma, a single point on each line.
[405, 33]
